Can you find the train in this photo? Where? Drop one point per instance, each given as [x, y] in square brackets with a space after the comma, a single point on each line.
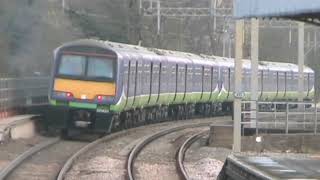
[102, 86]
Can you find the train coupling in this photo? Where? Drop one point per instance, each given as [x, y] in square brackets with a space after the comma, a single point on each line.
[82, 119]
[82, 124]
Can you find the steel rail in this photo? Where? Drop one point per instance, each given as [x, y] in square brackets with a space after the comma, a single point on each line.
[137, 149]
[21, 158]
[68, 164]
[181, 153]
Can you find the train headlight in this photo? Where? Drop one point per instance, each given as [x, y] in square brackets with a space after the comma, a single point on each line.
[61, 94]
[102, 98]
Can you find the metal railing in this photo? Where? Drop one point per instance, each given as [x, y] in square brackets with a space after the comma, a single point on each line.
[23, 92]
[290, 117]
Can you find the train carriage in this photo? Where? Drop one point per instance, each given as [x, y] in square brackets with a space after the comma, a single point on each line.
[101, 86]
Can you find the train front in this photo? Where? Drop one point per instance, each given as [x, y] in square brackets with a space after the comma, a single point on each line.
[83, 87]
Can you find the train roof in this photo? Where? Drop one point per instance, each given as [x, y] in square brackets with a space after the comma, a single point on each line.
[126, 49]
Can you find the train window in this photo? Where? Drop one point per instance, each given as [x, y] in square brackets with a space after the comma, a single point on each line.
[100, 68]
[72, 65]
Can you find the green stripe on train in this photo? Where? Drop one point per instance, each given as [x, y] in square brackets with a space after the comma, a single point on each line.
[83, 105]
[73, 104]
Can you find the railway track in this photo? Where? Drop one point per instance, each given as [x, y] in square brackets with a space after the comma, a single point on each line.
[68, 164]
[54, 158]
[21, 158]
[107, 158]
[182, 151]
[66, 167]
[121, 152]
[147, 140]
[42, 161]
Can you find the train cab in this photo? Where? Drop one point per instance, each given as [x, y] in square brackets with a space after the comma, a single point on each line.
[84, 84]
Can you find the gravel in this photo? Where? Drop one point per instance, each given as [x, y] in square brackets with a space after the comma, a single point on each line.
[46, 164]
[14, 148]
[203, 169]
[108, 160]
[203, 162]
[100, 167]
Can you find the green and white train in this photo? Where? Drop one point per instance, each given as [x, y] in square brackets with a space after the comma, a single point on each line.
[101, 86]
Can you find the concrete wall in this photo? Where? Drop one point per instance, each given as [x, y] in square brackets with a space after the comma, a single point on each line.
[222, 136]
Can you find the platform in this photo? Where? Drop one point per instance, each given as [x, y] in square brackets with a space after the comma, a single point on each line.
[16, 127]
[271, 166]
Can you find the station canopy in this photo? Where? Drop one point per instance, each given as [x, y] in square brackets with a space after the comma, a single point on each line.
[300, 10]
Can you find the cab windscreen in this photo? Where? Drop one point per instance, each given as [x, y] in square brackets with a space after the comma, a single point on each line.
[86, 68]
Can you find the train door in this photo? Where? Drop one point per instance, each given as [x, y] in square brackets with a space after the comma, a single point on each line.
[174, 82]
[206, 83]
[215, 88]
[311, 85]
[164, 80]
[145, 81]
[291, 85]
[155, 81]
[273, 83]
[196, 83]
[180, 83]
[126, 80]
[160, 83]
[277, 81]
[264, 89]
[281, 85]
[138, 82]
[260, 82]
[246, 85]
[151, 83]
[228, 83]
[132, 83]
[285, 85]
[202, 83]
[185, 83]
[305, 83]
[223, 83]
[172, 79]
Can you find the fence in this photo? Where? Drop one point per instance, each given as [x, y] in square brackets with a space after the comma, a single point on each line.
[288, 117]
[17, 93]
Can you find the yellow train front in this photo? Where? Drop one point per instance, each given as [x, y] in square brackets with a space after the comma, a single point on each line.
[83, 87]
